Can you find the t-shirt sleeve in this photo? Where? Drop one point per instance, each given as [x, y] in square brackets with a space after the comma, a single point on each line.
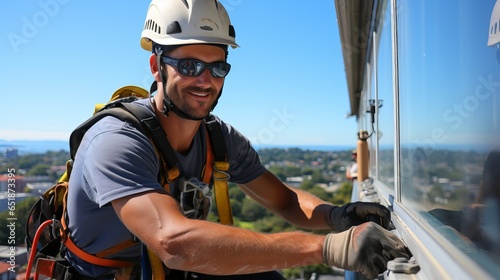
[244, 162]
[119, 161]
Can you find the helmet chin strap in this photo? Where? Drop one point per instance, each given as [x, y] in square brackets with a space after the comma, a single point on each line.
[168, 104]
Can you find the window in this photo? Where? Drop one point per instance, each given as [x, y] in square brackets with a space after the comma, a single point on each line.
[449, 82]
[385, 117]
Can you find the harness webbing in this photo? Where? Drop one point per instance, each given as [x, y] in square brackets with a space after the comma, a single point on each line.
[216, 167]
[158, 137]
[94, 259]
[219, 170]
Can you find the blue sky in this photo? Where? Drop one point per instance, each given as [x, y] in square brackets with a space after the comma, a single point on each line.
[286, 87]
[449, 77]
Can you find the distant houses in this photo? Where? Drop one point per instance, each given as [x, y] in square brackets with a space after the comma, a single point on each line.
[24, 187]
[11, 153]
[20, 182]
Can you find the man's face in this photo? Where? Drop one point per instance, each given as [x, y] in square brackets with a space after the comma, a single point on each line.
[195, 96]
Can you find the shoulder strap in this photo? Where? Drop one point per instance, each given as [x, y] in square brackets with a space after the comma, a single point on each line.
[216, 138]
[157, 135]
[143, 120]
[219, 170]
[77, 135]
[139, 117]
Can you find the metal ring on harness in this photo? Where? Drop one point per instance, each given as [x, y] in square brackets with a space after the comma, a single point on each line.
[218, 171]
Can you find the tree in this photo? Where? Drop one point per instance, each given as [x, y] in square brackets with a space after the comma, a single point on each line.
[278, 171]
[293, 171]
[252, 211]
[436, 191]
[39, 169]
[271, 224]
[319, 192]
[307, 271]
[21, 212]
[307, 185]
[343, 194]
[236, 206]
[235, 192]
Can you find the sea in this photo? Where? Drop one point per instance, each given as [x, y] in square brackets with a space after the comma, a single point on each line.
[43, 146]
[33, 146]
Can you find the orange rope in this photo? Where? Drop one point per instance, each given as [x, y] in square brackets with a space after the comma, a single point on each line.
[33, 249]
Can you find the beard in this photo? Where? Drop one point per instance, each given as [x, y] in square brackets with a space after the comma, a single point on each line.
[196, 109]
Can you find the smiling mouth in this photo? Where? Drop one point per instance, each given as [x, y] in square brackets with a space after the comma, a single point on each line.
[198, 94]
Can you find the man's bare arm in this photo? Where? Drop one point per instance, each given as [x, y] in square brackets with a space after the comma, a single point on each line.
[294, 205]
[211, 248]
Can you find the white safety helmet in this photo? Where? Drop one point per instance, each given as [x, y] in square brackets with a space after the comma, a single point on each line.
[179, 22]
[494, 31]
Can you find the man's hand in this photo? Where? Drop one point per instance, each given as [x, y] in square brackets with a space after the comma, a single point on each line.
[366, 248]
[352, 214]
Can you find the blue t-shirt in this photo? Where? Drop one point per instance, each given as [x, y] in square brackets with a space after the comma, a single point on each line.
[115, 160]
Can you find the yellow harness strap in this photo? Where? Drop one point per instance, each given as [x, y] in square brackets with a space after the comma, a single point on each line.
[222, 192]
[215, 169]
[156, 266]
[218, 170]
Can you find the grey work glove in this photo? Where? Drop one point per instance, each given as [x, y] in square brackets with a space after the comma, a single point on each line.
[355, 213]
[365, 248]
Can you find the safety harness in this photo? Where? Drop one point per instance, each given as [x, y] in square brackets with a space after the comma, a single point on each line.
[47, 231]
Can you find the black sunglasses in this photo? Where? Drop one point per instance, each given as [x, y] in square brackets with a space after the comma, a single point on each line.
[192, 67]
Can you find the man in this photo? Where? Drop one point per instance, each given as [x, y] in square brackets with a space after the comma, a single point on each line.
[115, 195]
[352, 170]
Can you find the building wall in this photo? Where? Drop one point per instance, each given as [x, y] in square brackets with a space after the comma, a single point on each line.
[434, 78]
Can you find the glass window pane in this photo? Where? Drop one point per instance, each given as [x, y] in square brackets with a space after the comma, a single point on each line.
[385, 133]
[449, 86]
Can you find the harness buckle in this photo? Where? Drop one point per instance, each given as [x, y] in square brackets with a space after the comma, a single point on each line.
[56, 227]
